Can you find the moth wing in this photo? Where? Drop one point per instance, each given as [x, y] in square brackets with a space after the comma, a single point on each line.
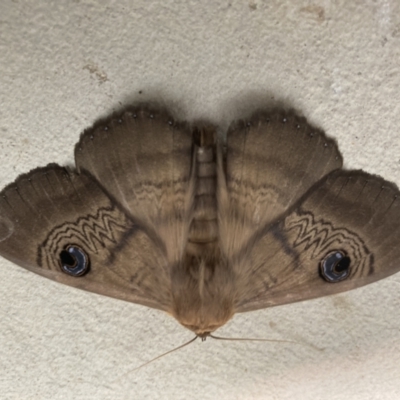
[50, 209]
[271, 161]
[143, 158]
[349, 213]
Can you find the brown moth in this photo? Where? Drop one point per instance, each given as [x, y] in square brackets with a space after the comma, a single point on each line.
[162, 214]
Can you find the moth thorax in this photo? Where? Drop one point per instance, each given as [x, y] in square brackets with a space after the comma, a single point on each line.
[203, 296]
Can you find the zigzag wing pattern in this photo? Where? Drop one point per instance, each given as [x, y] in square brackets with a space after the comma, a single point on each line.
[95, 233]
[319, 237]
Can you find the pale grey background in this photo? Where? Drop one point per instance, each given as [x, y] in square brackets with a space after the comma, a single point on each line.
[66, 63]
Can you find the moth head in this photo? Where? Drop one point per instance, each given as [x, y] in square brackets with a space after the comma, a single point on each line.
[202, 322]
[203, 311]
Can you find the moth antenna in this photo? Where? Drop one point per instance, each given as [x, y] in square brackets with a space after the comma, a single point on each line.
[253, 339]
[156, 358]
[266, 340]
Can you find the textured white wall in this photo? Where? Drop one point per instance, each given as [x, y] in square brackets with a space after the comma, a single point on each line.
[66, 63]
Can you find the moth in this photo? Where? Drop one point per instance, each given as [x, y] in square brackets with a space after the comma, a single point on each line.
[164, 214]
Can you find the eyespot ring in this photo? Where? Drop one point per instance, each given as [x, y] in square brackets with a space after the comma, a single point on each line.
[74, 261]
[335, 266]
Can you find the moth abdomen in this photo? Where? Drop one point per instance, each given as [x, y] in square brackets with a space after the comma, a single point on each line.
[204, 227]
